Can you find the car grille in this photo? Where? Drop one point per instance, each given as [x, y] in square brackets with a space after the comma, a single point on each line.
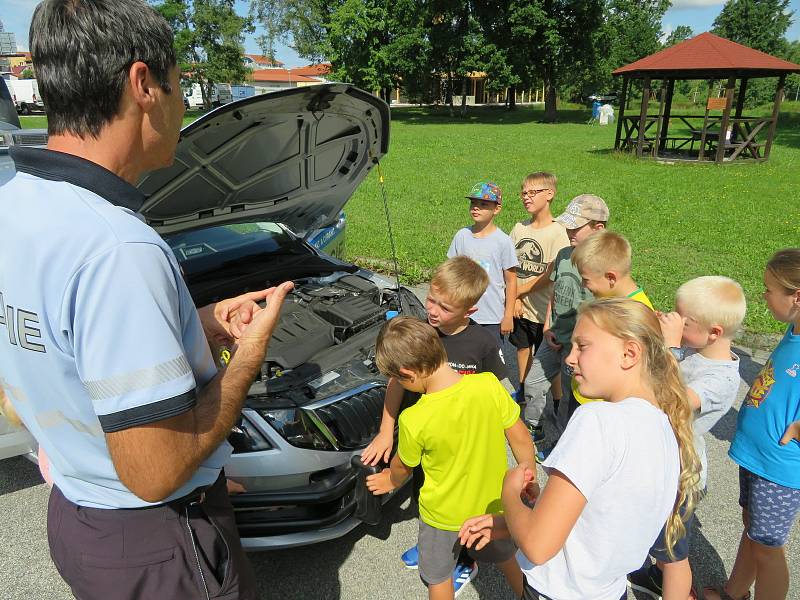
[354, 420]
[28, 139]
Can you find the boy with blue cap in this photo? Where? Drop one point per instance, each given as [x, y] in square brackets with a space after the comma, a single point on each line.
[491, 248]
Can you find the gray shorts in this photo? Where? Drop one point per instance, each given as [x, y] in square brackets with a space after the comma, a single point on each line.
[439, 551]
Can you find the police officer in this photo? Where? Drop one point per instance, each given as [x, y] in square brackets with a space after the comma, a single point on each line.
[102, 352]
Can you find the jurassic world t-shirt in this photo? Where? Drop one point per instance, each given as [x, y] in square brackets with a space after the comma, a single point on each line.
[536, 248]
[568, 295]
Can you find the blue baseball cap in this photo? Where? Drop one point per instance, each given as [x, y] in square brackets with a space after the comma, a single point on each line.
[486, 190]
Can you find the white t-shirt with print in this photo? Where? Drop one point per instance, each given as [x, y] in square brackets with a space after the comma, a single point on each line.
[623, 458]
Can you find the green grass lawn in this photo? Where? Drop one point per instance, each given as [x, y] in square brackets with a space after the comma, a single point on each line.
[683, 220]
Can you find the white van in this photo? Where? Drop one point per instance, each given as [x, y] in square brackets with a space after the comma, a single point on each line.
[220, 94]
[25, 93]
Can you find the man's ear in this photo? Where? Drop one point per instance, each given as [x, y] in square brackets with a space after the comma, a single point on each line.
[631, 354]
[598, 226]
[142, 83]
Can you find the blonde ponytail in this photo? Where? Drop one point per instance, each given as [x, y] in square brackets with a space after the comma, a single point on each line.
[631, 320]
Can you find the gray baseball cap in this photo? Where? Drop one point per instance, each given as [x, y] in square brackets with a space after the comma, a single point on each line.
[582, 209]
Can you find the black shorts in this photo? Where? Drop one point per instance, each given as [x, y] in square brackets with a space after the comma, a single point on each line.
[681, 548]
[526, 334]
[183, 550]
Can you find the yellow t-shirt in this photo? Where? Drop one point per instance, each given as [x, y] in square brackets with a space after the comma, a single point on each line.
[458, 435]
[638, 295]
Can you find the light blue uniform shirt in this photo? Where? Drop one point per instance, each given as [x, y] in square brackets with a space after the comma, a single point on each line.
[99, 332]
[772, 403]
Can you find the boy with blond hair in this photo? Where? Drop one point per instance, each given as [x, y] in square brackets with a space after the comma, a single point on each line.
[604, 263]
[708, 312]
[486, 244]
[537, 241]
[456, 286]
[457, 432]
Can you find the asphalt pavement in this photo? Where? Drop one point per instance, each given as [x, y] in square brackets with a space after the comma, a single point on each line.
[365, 564]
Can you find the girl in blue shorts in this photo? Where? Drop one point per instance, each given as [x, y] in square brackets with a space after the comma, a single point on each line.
[767, 448]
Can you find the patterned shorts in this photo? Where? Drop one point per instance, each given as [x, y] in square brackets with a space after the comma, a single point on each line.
[772, 508]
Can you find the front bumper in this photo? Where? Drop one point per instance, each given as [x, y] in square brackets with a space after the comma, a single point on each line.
[274, 520]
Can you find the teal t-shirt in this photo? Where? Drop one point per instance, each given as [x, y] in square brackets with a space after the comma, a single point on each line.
[568, 295]
[772, 403]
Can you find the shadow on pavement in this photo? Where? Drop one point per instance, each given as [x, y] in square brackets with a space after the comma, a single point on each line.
[707, 566]
[312, 572]
[18, 473]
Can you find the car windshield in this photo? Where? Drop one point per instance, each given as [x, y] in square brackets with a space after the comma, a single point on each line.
[201, 249]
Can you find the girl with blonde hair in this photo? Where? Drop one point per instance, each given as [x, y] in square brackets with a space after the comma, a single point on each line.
[621, 469]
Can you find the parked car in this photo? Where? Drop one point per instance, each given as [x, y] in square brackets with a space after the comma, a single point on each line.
[253, 185]
[220, 94]
[25, 93]
[14, 440]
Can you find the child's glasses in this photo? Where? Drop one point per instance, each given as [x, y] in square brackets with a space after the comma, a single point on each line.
[531, 193]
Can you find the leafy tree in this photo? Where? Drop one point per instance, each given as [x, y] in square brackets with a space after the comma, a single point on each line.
[209, 41]
[793, 80]
[679, 34]
[759, 24]
[27, 74]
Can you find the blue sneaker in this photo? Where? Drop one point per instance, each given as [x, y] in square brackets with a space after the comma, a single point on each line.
[541, 455]
[411, 557]
[462, 575]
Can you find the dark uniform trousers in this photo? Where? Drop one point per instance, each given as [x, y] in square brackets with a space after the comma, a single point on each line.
[186, 549]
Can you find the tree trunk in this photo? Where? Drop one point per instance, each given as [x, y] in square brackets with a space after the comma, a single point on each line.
[550, 115]
[463, 97]
[512, 97]
[449, 97]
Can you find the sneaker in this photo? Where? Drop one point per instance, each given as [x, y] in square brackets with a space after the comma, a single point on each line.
[411, 557]
[541, 455]
[647, 580]
[462, 575]
[537, 433]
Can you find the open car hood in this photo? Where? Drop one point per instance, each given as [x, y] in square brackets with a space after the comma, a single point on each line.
[293, 157]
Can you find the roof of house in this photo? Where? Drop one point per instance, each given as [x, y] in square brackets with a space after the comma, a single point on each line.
[318, 70]
[708, 53]
[280, 75]
[264, 60]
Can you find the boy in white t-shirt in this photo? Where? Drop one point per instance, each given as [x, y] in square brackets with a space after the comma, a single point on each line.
[486, 244]
[708, 313]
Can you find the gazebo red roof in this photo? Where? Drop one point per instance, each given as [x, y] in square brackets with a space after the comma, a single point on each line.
[709, 53]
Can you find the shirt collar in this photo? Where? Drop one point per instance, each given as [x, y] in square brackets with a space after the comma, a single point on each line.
[60, 166]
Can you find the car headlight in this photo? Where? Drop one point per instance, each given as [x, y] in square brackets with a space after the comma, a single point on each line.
[297, 427]
[245, 437]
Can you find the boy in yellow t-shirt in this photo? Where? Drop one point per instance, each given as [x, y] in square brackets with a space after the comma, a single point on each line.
[457, 431]
[604, 263]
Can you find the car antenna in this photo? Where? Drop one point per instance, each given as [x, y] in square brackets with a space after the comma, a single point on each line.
[382, 185]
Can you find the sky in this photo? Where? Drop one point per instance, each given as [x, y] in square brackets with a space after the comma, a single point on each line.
[697, 14]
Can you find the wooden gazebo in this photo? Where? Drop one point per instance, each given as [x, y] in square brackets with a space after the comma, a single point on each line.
[714, 137]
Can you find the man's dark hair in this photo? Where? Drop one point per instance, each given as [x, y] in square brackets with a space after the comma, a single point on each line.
[82, 51]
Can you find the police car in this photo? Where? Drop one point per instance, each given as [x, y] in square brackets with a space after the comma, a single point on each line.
[256, 189]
